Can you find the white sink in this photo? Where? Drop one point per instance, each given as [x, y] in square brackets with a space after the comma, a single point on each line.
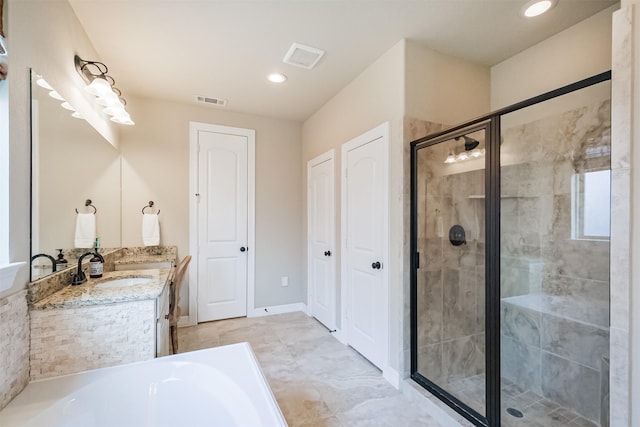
[124, 282]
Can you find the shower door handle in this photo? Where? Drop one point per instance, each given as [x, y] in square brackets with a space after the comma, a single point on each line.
[376, 265]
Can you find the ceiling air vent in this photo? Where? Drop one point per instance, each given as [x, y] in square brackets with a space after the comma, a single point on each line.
[303, 56]
[213, 101]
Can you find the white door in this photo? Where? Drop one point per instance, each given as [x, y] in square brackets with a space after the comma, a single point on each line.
[321, 240]
[222, 224]
[365, 227]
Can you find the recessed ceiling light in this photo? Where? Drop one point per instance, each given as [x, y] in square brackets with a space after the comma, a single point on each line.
[277, 78]
[537, 7]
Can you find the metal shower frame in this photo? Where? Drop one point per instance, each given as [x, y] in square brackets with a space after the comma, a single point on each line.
[491, 124]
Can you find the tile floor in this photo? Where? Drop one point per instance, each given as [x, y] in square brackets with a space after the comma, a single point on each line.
[317, 381]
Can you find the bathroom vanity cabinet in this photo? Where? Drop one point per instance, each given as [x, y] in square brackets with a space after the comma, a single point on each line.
[93, 326]
[163, 331]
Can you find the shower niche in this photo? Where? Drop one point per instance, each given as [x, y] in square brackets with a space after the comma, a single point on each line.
[510, 265]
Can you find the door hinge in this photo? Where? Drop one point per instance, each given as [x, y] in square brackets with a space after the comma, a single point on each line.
[417, 260]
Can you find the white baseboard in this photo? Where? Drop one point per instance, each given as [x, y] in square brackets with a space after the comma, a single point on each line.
[392, 376]
[340, 336]
[278, 309]
[185, 321]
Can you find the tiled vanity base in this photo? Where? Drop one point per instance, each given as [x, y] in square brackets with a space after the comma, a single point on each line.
[65, 341]
[14, 341]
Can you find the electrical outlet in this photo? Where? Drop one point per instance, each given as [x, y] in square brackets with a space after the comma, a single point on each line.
[284, 281]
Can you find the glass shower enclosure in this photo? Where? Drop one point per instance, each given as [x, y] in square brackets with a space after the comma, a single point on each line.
[510, 261]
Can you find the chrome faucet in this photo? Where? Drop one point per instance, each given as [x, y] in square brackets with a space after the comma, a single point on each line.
[80, 277]
[53, 261]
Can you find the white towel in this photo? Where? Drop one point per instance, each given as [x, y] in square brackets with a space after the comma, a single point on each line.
[150, 230]
[85, 230]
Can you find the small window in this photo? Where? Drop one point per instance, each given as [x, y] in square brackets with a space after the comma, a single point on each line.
[591, 205]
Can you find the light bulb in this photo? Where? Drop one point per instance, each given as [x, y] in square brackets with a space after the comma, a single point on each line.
[116, 110]
[40, 81]
[462, 156]
[450, 159]
[67, 106]
[109, 101]
[56, 95]
[98, 87]
[476, 153]
[123, 120]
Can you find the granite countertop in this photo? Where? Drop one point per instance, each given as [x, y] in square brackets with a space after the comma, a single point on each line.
[88, 294]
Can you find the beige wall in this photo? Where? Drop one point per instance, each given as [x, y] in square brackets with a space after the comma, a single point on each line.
[444, 89]
[576, 53]
[155, 167]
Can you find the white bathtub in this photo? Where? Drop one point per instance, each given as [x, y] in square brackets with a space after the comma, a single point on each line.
[220, 387]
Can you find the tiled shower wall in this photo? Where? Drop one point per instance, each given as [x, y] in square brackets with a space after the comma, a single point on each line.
[554, 286]
[451, 294]
[14, 342]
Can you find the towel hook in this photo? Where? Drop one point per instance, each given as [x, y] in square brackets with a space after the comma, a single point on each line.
[150, 205]
[87, 203]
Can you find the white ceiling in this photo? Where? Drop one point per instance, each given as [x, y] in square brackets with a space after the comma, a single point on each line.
[177, 49]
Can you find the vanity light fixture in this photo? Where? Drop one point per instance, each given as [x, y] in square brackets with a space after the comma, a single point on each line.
[102, 86]
[535, 8]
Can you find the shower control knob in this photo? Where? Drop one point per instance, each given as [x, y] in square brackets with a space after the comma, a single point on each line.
[327, 253]
[376, 265]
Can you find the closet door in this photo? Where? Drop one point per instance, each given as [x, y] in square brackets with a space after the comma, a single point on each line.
[321, 239]
[222, 225]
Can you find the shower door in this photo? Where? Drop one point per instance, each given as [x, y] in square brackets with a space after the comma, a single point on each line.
[555, 169]
[449, 185]
[510, 220]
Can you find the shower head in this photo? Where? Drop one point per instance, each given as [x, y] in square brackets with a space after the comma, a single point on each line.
[469, 143]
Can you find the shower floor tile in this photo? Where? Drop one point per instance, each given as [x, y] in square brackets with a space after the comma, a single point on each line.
[536, 410]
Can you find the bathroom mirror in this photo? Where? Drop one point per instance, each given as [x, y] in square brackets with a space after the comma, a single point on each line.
[70, 163]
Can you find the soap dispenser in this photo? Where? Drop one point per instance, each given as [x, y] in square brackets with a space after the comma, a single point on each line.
[61, 263]
[96, 263]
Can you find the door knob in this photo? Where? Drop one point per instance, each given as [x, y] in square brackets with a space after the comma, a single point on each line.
[242, 249]
[376, 265]
[327, 253]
